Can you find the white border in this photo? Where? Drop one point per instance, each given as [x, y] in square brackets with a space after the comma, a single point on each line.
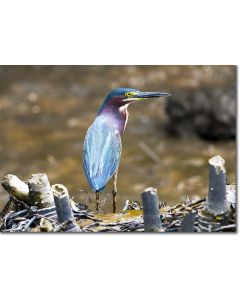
[113, 266]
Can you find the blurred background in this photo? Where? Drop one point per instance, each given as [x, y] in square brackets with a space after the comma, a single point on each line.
[46, 110]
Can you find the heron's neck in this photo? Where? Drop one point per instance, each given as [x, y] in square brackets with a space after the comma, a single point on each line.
[116, 116]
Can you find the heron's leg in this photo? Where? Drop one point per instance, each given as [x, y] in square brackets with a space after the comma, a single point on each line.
[97, 201]
[114, 192]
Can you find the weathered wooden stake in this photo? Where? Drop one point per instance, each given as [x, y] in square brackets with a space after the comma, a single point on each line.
[216, 210]
[231, 194]
[188, 222]
[40, 192]
[216, 201]
[151, 212]
[63, 208]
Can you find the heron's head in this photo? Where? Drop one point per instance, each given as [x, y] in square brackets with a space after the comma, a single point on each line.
[123, 96]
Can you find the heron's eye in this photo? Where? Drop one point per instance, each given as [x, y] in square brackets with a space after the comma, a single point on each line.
[129, 94]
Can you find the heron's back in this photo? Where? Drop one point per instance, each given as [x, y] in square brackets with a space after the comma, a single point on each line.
[101, 153]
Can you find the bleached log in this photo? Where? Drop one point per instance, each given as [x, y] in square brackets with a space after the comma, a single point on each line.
[40, 192]
[216, 201]
[35, 192]
[16, 187]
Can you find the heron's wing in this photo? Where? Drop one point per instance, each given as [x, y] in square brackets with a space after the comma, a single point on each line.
[101, 153]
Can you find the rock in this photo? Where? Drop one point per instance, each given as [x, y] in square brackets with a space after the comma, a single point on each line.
[35, 229]
[208, 112]
[45, 225]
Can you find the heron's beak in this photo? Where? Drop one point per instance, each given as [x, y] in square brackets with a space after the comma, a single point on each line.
[137, 96]
[147, 95]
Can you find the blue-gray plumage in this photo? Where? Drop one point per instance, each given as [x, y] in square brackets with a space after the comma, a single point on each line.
[102, 152]
[102, 145]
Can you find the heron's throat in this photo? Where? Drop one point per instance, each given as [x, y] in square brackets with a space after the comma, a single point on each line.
[116, 116]
[124, 114]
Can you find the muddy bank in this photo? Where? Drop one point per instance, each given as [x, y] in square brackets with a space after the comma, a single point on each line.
[36, 206]
[21, 219]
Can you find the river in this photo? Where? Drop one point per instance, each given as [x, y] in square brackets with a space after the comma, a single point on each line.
[45, 113]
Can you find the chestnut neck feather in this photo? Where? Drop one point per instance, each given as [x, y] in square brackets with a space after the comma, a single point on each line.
[116, 113]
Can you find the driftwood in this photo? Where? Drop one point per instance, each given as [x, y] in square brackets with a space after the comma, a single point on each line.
[64, 209]
[35, 192]
[188, 222]
[13, 185]
[231, 194]
[216, 213]
[34, 210]
[151, 213]
[172, 218]
[40, 192]
[178, 218]
[216, 201]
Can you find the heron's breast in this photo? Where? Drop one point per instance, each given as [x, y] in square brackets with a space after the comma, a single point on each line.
[116, 117]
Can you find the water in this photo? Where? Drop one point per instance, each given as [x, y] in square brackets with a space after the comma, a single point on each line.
[45, 113]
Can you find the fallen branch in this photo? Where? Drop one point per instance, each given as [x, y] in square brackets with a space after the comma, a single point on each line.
[16, 187]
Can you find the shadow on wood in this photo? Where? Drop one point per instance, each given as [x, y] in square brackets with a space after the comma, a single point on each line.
[151, 212]
[188, 223]
[64, 209]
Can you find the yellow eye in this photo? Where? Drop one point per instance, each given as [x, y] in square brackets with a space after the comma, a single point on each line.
[129, 94]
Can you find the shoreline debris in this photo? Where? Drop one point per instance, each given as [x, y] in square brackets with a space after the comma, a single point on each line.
[36, 206]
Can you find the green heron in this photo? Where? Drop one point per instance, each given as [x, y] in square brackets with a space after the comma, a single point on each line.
[102, 145]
